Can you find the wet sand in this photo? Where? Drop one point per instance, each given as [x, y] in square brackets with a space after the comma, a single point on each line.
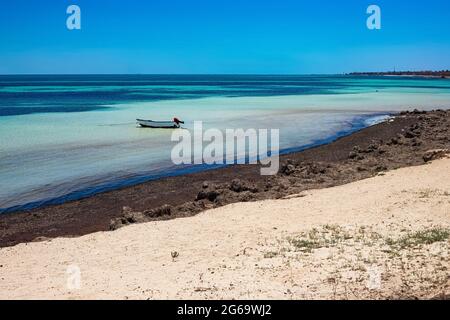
[405, 141]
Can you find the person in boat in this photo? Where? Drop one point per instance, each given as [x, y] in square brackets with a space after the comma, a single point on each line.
[178, 122]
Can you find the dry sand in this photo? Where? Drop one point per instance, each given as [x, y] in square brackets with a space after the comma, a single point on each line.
[383, 237]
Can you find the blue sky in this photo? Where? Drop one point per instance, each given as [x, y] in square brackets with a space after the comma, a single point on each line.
[218, 36]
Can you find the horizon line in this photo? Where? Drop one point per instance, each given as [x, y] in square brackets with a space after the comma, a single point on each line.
[222, 74]
[170, 74]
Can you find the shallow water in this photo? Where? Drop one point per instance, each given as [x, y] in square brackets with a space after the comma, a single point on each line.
[66, 137]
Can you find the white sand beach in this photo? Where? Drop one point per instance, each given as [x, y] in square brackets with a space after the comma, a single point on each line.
[383, 237]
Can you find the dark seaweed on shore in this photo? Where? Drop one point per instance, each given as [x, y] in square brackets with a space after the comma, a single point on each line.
[411, 146]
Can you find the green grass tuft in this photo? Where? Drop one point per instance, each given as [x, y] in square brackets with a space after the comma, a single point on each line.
[425, 237]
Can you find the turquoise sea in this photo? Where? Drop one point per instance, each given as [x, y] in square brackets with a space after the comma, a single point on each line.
[67, 137]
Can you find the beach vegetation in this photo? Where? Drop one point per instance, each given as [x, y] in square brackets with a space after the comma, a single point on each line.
[424, 237]
[270, 254]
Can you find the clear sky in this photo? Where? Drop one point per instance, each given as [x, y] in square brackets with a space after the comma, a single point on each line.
[223, 36]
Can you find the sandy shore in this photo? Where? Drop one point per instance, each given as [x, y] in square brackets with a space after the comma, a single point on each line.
[402, 142]
[382, 237]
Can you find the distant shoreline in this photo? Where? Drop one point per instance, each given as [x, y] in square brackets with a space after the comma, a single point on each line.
[444, 74]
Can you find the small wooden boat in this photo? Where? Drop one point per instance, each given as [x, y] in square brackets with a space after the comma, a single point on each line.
[175, 123]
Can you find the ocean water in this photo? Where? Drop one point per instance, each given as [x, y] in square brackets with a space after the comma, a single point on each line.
[67, 137]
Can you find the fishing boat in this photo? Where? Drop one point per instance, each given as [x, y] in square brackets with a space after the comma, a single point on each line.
[175, 123]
